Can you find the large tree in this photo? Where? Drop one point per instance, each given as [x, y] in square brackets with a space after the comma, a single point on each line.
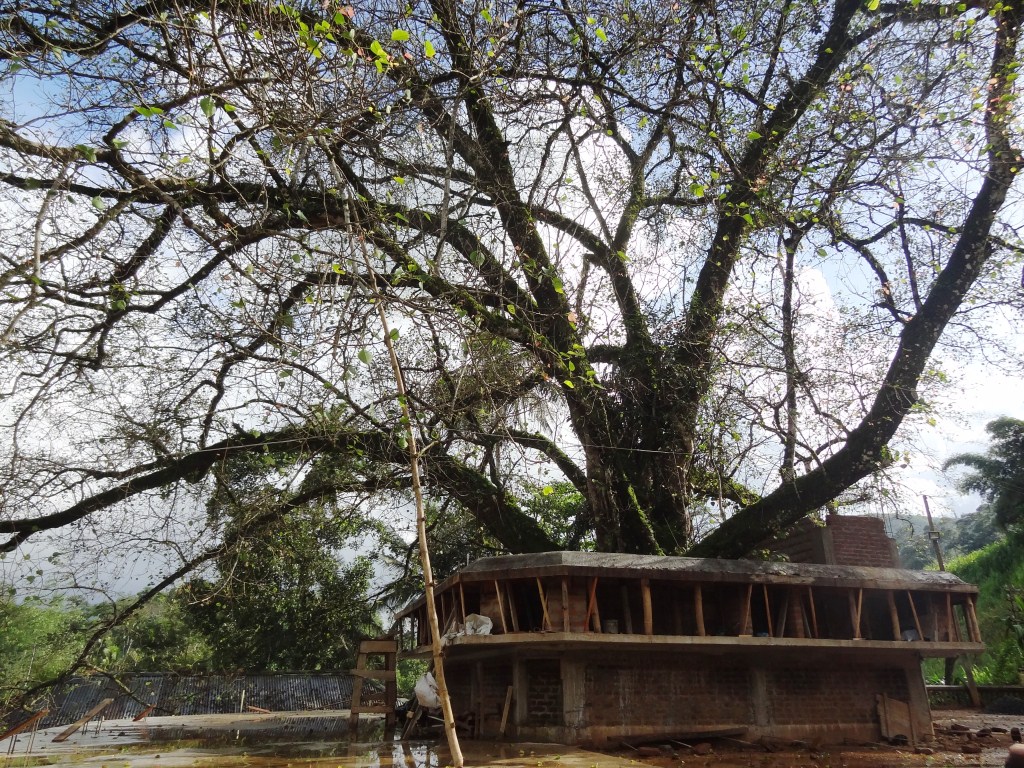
[596, 226]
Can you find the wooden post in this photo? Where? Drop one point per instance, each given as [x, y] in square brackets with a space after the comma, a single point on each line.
[512, 607]
[913, 610]
[814, 613]
[894, 615]
[698, 609]
[972, 620]
[952, 627]
[462, 602]
[627, 613]
[565, 605]
[783, 615]
[767, 610]
[645, 587]
[745, 628]
[546, 622]
[501, 608]
[855, 610]
[592, 612]
[505, 710]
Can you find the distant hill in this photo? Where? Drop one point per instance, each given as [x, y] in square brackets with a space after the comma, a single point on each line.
[958, 536]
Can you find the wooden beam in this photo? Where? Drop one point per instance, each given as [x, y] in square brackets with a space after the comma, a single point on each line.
[645, 588]
[501, 608]
[546, 622]
[783, 616]
[24, 725]
[768, 610]
[141, 716]
[512, 607]
[972, 620]
[505, 710]
[374, 674]
[855, 607]
[814, 613]
[951, 634]
[66, 733]
[378, 646]
[627, 614]
[745, 629]
[565, 605]
[698, 609]
[462, 602]
[592, 611]
[894, 615]
[913, 610]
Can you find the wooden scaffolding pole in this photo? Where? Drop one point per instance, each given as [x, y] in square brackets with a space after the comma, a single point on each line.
[417, 489]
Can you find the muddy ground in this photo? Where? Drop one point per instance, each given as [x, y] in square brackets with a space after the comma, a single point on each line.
[320, 740]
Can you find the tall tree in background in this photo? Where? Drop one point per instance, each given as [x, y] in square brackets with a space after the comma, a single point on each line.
[997, 474]
[601, 231]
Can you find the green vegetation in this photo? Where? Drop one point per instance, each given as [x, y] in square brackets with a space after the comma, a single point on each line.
[998, 570]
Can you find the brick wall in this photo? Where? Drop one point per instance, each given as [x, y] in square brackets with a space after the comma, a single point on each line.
[860, 541]
[844, 540]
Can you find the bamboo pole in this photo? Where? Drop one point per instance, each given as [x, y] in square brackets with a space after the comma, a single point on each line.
[421, 519]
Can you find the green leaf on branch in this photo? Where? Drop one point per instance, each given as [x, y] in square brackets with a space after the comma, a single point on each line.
[428, 49]
[207, 105]
[399, 35]
[364, 356]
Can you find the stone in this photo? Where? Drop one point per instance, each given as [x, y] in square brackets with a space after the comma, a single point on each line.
[703, 748]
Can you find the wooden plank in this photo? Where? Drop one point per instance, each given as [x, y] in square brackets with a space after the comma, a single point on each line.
[854, 615]
[565, 604]
[372, 709]
[257, 710]
[645, 588]
[25, 725]
[374, 674]
[814, 613]
[546, 623]
[501, 607]
[627, 614]
[768, 610]
[141, 716]
[698, 609]
[894, 615]
[592, 612]
[378, 646]
[505, 710]
[66, 733]
[913, 610]
[462, 602]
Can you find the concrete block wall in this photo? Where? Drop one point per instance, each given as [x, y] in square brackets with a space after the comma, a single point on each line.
[595, 699]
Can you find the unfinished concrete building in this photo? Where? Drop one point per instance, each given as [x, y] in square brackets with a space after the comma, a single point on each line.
[592, 648]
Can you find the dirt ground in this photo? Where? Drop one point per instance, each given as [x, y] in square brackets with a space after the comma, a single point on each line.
[314, 740]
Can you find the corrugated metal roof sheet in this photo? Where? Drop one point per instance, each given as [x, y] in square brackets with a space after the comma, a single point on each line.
[174, 694]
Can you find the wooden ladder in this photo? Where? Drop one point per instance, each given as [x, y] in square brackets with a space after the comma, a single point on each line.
[387, 648]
